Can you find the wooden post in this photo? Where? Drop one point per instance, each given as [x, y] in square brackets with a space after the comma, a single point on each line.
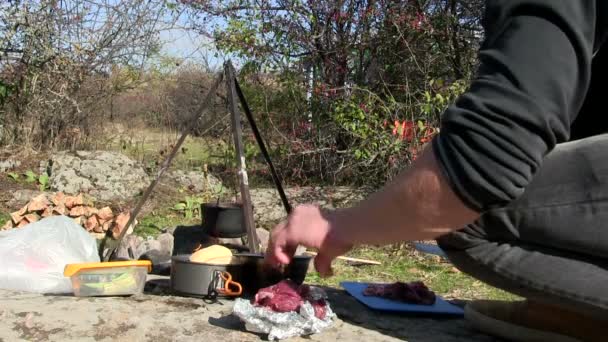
[252, 236]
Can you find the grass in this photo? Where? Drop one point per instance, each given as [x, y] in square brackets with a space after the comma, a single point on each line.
[150, 146]
[406, 264]
[4, 217]
[153, 224]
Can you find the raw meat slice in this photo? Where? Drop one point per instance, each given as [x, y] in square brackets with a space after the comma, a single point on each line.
[414, 293]
[282, 297]
[287, 296]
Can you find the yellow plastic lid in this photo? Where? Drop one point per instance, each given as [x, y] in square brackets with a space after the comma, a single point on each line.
[72, 269]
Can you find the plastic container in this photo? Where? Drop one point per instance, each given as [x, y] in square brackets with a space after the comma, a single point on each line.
[118, 278]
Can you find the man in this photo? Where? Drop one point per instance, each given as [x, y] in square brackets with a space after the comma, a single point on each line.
[515, 187]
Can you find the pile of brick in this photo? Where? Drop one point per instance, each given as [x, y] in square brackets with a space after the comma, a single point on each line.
[82, 210]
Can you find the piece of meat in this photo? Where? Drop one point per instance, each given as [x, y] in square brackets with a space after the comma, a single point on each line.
[287, 296]
[320, 307]
[281, 297]
[414, 293]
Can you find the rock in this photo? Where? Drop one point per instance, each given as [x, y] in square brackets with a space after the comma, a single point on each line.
[230, 241]
[264, 237]
[90, 211]
[22, 224]
[105, 214]
[22, 197]
[8, 165]
[38, 203]
[120, 223]
[300, 250]
[105, 175]
[197, 181]
[166, 243]
[92, 224]
[78, 211]
[147, 246]
[31, 218]
[58, 199]
[70, 202]
[74, 201]
[79, 220]
[60, 210]
[167, 317]
[132, 242]
[268, 209]
[47, 212]
[107, 225]
[98, 236]
[17, 216]
[79, 200]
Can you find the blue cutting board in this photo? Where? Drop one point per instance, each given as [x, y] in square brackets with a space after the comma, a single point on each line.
[430, 249]
[441, 307]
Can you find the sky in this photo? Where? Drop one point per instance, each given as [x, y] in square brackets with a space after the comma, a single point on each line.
[189, 46]
[182, 44]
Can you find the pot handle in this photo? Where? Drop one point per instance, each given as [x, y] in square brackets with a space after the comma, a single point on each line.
[231, 287]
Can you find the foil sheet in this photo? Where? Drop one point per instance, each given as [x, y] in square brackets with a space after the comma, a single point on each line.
[282, 325]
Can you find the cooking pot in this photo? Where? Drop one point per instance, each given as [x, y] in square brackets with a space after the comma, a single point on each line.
[197, 279]
[223, 220]
[255, 274]
[247, 269]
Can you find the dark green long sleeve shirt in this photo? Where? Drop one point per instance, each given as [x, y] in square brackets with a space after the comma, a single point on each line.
[542, 64]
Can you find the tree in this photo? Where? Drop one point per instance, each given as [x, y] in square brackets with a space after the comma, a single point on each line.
[56, 56]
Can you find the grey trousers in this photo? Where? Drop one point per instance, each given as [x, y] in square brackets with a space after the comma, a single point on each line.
[551, 244]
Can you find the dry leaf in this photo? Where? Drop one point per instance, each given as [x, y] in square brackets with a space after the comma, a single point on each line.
[105, 214]
[58, 199]
[78, 211]
[38, 203]
[91, 223]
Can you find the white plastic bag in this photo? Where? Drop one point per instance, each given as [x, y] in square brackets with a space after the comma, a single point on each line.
[33, 258]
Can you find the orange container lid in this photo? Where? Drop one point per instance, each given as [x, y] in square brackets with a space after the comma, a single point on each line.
[71, 269]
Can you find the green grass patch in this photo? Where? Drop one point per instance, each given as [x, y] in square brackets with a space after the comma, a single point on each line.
[150, 147]
[153, 224]
[406, 264]
[4, 217]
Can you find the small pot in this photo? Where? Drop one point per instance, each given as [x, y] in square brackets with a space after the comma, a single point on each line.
[197, 279]
[223, 220]
[256, 274]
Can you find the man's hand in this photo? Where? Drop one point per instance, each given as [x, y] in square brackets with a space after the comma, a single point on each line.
[311, 227]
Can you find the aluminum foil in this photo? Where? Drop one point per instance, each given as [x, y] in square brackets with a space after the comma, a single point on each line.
[281, 325]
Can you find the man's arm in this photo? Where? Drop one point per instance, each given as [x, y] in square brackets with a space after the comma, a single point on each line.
[535, 70]
[533, 76]
[418, 205]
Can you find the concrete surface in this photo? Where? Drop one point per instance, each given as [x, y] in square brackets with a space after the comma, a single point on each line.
[157, 316]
